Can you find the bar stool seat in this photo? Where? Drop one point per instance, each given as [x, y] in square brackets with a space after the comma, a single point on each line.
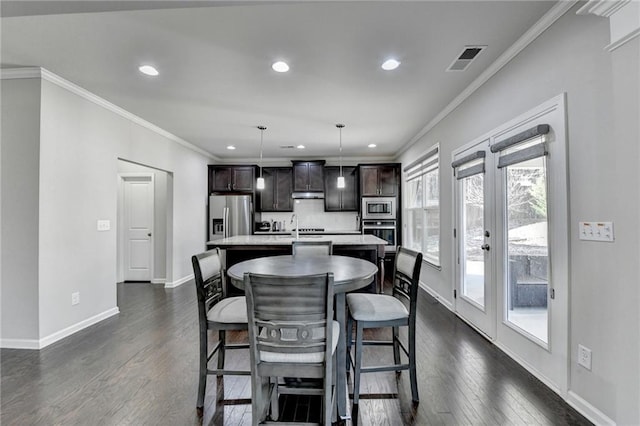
[380, 308]
[229, 310]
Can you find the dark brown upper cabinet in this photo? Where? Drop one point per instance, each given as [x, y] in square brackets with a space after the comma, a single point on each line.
[276, 195]
[308, 176]
[345, 199]
[379, 179]
[232, 178]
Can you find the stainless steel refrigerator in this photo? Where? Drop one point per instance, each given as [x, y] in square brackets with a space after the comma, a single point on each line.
[229, 215]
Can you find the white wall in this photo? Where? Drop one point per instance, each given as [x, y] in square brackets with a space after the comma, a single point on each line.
[80, 146]
[59, 176]
[603, 91]
[19, 174]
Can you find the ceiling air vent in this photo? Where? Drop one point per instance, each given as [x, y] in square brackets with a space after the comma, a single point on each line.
[465, 58]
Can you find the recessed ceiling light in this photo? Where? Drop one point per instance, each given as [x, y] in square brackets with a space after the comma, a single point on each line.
[280, 66]
[231, 147]
[300, 146]
[148, 70]
[390, 64]
[371, 145]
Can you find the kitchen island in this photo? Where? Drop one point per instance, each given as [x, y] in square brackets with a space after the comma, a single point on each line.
[244, 247]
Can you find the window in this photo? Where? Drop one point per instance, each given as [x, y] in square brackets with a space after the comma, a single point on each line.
[422, 206]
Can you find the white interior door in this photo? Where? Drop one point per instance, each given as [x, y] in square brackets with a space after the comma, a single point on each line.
[475, 287]
[138, 227]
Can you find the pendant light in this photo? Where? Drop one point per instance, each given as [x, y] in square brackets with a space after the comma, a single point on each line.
[260, 181]
[341, 183]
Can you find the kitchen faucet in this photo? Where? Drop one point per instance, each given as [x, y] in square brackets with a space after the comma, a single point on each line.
[295, 216]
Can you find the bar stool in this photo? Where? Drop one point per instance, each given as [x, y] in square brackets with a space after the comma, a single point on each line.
[382, 310]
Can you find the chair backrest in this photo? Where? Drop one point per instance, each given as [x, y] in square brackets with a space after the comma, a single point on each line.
[295, 324]
[208, 274]
[311, 248]
[406, 275]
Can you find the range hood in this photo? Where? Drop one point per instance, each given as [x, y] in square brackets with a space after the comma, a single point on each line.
[307, 195]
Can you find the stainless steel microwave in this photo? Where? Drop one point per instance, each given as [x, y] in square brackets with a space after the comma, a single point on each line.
[378, 207]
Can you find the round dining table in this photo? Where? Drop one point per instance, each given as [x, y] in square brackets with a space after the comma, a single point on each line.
[349, 274]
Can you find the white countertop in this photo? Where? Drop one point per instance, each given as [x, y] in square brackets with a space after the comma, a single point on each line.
[284, 239]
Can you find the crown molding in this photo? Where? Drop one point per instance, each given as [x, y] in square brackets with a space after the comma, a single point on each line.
[37, 72]
[604, 8]
[555, 13]
[623, 16]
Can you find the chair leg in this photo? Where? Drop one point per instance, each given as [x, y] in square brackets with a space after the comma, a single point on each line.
[396, 346]
[202, 374]
[221, 352]
[412, 363]
[349, 337]
[358, 363]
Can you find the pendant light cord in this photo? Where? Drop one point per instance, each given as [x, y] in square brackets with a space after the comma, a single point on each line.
[340, 126]
[262, 129]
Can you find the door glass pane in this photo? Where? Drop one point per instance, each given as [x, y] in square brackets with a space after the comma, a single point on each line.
[527, 247]
[473, 238]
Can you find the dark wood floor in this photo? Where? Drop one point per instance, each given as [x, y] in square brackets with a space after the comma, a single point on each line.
[140, 367]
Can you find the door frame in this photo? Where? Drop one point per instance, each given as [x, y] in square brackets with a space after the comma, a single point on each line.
[122, 178]
[550, 364]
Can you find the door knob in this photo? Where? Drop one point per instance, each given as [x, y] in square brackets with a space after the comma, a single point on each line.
[485, 247]
[149, 234]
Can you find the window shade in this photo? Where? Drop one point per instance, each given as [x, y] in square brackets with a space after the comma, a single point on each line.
[534, 150]
[469, 165]
[423, 165]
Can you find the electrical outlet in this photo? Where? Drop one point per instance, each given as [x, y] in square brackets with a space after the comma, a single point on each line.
[584, 357]
[75, 298]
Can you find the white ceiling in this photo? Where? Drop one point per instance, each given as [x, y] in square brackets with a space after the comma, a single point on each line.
[216, 83]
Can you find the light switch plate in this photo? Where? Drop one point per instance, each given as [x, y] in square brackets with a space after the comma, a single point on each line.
[596, 231]
[104, 225]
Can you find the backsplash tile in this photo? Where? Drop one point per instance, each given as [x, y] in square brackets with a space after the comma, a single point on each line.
[311, 214]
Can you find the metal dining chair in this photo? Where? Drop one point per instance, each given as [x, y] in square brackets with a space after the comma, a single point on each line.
[382, 310]
[290, 337]
[310, 248]
[216, 312]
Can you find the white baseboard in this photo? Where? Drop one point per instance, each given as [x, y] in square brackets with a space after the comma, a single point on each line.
[176, 283]
[444, 302]
[58, 335]
[158, 281]
[19, 344]
[586, 409]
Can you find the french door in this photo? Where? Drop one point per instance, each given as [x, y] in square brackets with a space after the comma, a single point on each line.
[475, 294]
[511, 239]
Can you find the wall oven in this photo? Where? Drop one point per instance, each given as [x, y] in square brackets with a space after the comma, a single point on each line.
[378, 207]
[385, 229]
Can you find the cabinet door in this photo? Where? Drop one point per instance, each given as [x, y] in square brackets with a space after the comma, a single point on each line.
[332, 195]
[350, 191]
[387, 181]
[369, 180]
[221, 180]
[267, 202]
[283, 188]
[242, 179]
[301, 177]
[316, 177]
[340, 200]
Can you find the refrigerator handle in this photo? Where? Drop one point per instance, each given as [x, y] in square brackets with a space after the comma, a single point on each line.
[225, 222]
